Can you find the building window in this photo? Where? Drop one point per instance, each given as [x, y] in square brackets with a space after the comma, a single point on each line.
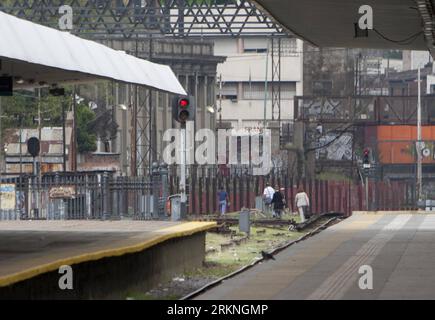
[289, 47]
[224, 1]
[229, 91]
[255, 90]
[255, 50]
[255, 45]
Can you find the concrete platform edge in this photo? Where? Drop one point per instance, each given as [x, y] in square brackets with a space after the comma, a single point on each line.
[183, 230]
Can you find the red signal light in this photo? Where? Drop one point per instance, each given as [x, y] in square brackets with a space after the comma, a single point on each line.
[366, 156]
[183, 103]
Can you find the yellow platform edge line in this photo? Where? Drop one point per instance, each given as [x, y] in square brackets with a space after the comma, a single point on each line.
[182, 230]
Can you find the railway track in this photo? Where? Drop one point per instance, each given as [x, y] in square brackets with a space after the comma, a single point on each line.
[269, 221]
[317, 224]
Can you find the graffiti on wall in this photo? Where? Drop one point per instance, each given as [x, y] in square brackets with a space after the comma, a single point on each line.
[7, 196]
[334, 147]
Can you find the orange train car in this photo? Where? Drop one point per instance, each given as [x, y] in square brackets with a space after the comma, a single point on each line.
[396, 144]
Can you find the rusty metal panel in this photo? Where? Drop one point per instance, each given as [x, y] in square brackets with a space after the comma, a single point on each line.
[55, 149]
[15, 168]
[51, 167]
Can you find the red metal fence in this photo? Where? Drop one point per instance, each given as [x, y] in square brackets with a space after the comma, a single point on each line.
[325, 196]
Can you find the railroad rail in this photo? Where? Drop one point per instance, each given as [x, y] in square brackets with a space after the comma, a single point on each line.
[285, 245]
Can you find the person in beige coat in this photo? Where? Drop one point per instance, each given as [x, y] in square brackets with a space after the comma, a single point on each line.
[302, 202]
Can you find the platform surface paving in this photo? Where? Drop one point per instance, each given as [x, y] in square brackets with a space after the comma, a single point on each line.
[399, 249]
[30, 248]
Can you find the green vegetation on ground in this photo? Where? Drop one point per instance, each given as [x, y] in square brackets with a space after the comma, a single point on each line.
[222, 260]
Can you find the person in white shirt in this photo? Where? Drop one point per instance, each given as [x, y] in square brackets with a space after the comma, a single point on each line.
[302, 203]
[268, 195]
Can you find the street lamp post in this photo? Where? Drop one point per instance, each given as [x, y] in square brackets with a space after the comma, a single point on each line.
[123, 148]
[220, 101]
[419, 155]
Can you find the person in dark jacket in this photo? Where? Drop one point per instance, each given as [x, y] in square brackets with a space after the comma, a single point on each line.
[278, 203]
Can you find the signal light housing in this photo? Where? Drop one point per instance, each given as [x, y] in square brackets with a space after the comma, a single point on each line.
[183, 109]
[366, 156]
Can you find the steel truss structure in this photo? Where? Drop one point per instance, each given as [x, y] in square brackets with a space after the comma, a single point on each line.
[276, 78]
[144, 20]
[130, 18]
[142, 134]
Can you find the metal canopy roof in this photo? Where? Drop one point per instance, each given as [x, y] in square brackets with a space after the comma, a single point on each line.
[330, 23]
[40, 55]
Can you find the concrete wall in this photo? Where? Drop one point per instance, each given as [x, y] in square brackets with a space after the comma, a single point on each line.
[113, 278]
[250, 113]
[239, 67]
[415, 59]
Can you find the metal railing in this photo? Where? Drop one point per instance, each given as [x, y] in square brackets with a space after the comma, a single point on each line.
[99, 195]
[365, 109]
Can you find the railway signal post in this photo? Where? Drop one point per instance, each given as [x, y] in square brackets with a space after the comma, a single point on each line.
[183, 110]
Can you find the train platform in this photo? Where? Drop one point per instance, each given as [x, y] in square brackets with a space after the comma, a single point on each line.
[397, 248]
[106, 256]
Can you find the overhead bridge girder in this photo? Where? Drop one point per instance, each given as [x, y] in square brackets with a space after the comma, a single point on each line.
[128, 18]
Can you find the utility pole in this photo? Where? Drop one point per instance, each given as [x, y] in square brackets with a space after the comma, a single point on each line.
[63, 137]
[1, 144]
[220, 101]
[152, 130]
[21, 159]
[37, 166]
[419, 160]
[183, 110]
[366, 167]
[356, 75]
[39, 128]
[266, 87]
[387, 73]
[134, 151]
[20, 119]
[367, 189]
[74, 133]
[183, 196]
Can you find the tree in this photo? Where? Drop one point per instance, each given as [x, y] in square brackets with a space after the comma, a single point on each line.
[21, 110]
[86, 140]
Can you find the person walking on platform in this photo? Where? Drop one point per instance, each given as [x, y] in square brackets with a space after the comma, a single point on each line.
[267, 196]
[278, 203]
[284, 199]
[302, 203]
[223, 200]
